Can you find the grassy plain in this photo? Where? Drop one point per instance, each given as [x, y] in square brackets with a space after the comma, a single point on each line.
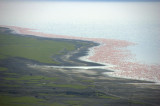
[40, 50]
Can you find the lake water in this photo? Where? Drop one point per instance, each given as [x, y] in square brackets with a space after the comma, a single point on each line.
[138, 22]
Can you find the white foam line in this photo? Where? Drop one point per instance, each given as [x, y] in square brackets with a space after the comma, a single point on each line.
[73, 67]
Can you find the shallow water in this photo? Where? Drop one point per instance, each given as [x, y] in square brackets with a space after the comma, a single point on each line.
[137, 22]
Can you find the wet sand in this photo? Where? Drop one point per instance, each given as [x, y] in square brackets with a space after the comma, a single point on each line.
[110, 52]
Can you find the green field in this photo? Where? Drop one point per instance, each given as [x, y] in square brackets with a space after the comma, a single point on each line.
[40, 50]
[7, 100]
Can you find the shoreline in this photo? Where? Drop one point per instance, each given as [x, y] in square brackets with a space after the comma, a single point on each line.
[68, 58]
[110, 52]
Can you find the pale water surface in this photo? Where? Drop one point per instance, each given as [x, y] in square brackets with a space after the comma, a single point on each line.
[138, 22]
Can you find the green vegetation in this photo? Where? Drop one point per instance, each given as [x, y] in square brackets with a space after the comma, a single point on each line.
[65, 86]
[74, 103]
[88, 81]
[57, 104]
[30, 79]
[101, 95]
[3, 69]
[10, 85]
[67, 103]
[42, 81]
[109, 97]
[58, 95]
[7, 100]
[11, 74]
[137, 102]
[40, 50]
